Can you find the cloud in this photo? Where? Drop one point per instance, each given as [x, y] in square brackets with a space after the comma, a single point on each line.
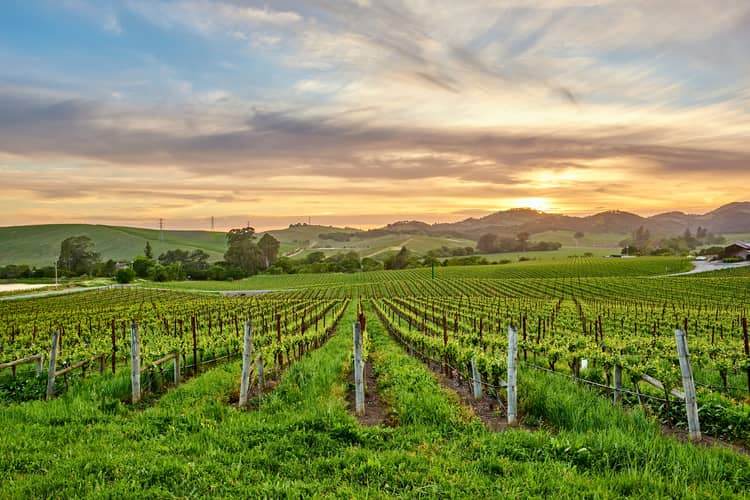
[411, 106]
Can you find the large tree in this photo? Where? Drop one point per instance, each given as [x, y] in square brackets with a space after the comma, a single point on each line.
[78, 254]
[269, 246]
[242, 251]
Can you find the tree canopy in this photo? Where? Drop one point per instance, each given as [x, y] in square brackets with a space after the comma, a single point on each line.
[78, 254]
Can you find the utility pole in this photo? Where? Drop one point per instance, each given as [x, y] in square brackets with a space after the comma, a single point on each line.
[55, 273]
[212, 223]
[161, 229]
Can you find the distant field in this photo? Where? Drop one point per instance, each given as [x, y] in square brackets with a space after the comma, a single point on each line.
[40, 245]
[601, 240]
[563, 253]
[593, 267]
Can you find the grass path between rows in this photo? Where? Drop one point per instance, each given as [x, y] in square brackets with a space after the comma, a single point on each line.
[301, 441]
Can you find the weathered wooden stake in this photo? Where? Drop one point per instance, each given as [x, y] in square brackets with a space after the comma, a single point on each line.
[52, 366]
[247, 355]
[747, 349]
[40, 363]
[512, 389]
[476, 378]
[688, 385]
[261, 376]
[177, 369]
[359, 368]
[135, 362]
[618, 384]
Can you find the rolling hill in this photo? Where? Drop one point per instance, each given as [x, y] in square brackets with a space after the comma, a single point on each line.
[40, 245]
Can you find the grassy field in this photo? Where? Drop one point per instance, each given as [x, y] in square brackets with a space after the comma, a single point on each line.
[563, 253]
[301, 440]
[563, 268]
[40, 245]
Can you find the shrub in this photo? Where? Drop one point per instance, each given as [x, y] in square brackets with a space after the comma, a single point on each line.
[125, 275]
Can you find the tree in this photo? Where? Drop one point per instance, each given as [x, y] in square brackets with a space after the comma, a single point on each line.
[398, 261]
[147, 251]
[173, 257]
[242, 251]
[269, 246]
[142, 266]
[125, 275]
[523, 240]
[487, 243]
[77, 254]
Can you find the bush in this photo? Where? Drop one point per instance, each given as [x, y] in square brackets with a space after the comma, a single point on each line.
[731, 260]
[125, 275]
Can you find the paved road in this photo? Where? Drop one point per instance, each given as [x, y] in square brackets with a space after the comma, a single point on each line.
[705, 267]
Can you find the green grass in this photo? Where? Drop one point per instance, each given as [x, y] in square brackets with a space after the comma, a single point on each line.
[40, 245]
[593, 240]
[566, 268]
[302, 442]
[562, 253]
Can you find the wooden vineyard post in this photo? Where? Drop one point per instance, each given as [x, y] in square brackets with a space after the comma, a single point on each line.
[618, 384]
[195, 347]
[40, 363]
[747, 351]
[259, 365]
[177, 369]
[688, 385]
[114, 347]
[280, 357]
[512, 390]
[247, 355]
[446, 369]
[476, 378]
[135, 362]
[52, 366]
[359, 368]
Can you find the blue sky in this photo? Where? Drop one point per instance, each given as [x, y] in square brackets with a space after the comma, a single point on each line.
[361, 111]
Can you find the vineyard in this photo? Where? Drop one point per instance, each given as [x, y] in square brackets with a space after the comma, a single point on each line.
[599, 382]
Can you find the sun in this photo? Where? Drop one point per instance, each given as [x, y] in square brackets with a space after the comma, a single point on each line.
[540, 204]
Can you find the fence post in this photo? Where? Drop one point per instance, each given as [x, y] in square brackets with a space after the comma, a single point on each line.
[476, 378]
[246, 357]
[177, 369]
[618, 384]
[135, 362]
[40, 363]
[52, 365]
[747, 349]
[688, 385]
[359, 366]
[261, 375]
[512, 390]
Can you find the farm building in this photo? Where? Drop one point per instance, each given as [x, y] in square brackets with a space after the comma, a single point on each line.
[738, 249]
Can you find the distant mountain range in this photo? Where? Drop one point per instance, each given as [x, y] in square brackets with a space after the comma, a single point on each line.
[731, 218]
[39, 245]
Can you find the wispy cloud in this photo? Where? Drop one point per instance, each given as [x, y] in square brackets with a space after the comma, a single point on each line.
[459, 107]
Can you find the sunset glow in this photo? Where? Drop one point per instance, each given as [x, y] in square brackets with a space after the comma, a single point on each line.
[364, 112]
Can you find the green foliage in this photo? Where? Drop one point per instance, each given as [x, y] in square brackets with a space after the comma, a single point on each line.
[78, 255]
[269, 247]
[125, 275]
[242, 251]
[399, 261]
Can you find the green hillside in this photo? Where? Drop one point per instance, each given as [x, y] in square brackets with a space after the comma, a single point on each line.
[40, 245]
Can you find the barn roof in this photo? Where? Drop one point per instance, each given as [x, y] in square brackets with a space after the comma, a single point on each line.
[741, 244]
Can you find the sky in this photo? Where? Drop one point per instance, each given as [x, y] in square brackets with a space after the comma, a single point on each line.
[363, 112]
